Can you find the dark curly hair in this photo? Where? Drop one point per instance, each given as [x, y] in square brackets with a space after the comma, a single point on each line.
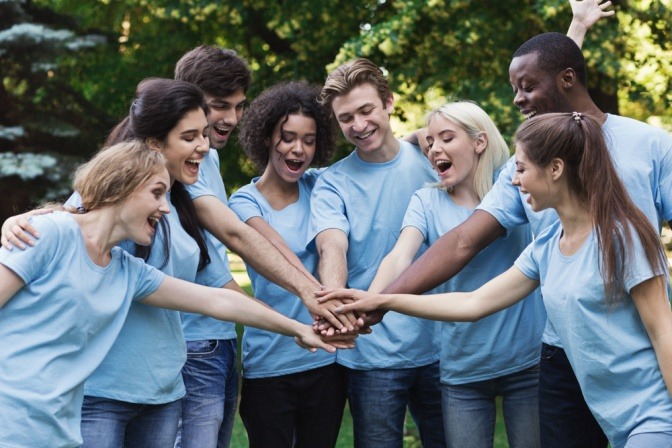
[275, 104]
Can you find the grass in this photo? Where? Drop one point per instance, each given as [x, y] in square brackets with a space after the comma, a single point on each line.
[345, 437]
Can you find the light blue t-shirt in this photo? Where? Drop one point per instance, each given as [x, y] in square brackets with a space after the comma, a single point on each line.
[506, 342]
[267, 354]
[642, 155]
[198, 327]
[608, 348]
[145, 362]
[367, 202]
[57, 329]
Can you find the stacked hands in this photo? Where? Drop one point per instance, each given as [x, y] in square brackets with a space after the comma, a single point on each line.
[350, 312]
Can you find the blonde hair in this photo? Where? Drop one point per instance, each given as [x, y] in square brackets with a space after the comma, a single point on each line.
[114, 174]
[474, 121]
[353, 74]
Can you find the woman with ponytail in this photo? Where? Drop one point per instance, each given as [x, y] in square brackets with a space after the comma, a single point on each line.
[603, 274]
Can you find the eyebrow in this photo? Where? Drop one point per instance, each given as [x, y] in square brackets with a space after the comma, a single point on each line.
[363, 106]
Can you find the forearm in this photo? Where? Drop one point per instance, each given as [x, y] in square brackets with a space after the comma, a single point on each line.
[390, 268]
[333, 267]
[577, 32]
[448, 255]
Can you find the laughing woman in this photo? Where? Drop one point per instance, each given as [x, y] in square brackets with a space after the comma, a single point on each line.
[63, 301]
[603, 276]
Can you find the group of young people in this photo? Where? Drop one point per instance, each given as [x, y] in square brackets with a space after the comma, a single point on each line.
[117, 313]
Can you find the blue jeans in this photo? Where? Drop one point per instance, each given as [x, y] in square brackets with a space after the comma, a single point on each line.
[108, 423]
[650, 439]
[298, 410]
[378, 401]
[469, 411]
[564, 417]
[211, 378]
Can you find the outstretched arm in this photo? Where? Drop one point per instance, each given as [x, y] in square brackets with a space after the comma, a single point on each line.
[229, 305]
[258, 252]
[585, 13]
[400, 257]
[448, 255]
[499, 293]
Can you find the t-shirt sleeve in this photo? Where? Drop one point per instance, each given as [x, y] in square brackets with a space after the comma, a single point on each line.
[637, 268]
[34, 261]
[245, 205]
[217, 273]
[503, 201]
[327, 211]
[147, 278]
[415, 215]
[527, 263]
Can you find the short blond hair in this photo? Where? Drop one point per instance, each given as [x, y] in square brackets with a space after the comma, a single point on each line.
[115, 173]
[353, 74]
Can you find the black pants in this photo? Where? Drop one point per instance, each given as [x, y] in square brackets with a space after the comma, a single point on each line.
[299, 410]
[564, 417]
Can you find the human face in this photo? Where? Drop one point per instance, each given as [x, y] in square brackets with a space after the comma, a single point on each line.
[185, 147]
[225, 113]
[292, 147]
[453, 153]
[365, 120]
[141, 212]
[535, 91]
[533, 181]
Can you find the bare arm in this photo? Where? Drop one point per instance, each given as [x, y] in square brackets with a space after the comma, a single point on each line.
[448, 255]
[276, 240]
[501, 292]
[418, 138]
[10, 284]
[229, 305]
[653, 305]
[258, 252]
[399, 258]
[585, 13]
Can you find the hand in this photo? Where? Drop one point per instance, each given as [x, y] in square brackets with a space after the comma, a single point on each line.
[308, 339]
[16, 230]
[340, 321]
[324, 327]
[588, 12]
[358, 300]
[341, 340]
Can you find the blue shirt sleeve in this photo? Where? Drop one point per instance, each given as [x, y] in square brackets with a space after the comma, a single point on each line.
[503, 201]
[665, 184]
[244, 204]
[415, 215]
[33, 261]
[527, 263]
[327, 211]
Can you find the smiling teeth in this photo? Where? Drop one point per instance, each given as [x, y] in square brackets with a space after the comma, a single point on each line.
[443, 165]
[530, 115]
[221, 130]
[365, 136]
[196, 161]
[153, 221]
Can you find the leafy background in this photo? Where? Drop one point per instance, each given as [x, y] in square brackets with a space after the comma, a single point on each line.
[69, 67]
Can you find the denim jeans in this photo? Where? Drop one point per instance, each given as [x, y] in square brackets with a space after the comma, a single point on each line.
[378, 401]
[469, 411]
[298, 410]
[650, 439]
[564, 417]
[108, 423]
[209, 407]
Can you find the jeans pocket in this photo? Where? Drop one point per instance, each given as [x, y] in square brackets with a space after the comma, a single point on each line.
[201, 349]
[547, 352]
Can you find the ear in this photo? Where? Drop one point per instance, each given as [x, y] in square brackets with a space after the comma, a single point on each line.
[557, 167]
[566, 78]
[481, 143]
[154, 144]
[389, 103]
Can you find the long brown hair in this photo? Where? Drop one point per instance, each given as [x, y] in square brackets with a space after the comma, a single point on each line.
[578, 141]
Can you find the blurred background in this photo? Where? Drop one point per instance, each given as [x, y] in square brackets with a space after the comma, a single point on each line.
[69, 67]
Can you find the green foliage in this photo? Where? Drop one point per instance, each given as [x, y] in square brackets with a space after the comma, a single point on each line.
[431, 49]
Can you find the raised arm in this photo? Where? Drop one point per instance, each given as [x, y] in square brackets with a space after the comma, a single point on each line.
[585, 13]
[268, 232]
[258, 252]
[229, 305]
[501, 292]
[448, 255]
[653, 305]
[400, 257]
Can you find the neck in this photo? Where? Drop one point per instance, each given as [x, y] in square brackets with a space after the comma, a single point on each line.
[575, 217]
[277, 191]
[585, 105]
[464, 195]
[100, 234]
[387, 151]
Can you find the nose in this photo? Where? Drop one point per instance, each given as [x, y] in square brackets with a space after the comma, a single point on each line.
[515, 181]
[203, 145]
[298, 148]
[163, 205]
[358, 123]
[518, 98]
[231, 116]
